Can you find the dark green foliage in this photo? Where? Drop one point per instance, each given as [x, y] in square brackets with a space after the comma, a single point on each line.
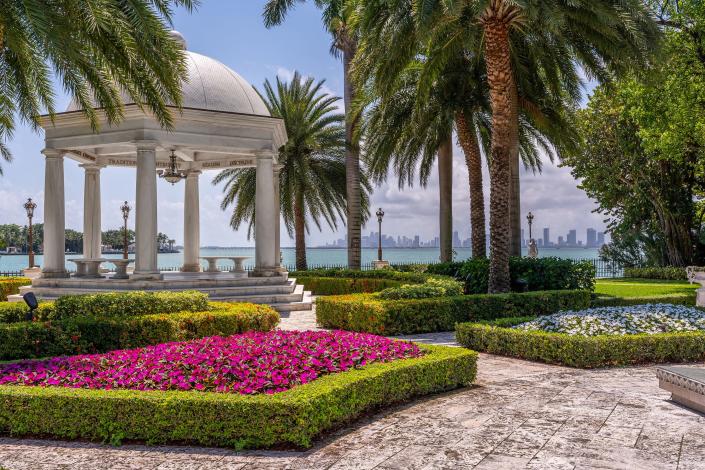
[341, 286]
[369, 313]
[11, 286]
[678, 299]
[581, 351]
[121, 304]
[409, 277]
[539, 273]
[666, 272]
[294, 417]
[431, 288]
[93, 334]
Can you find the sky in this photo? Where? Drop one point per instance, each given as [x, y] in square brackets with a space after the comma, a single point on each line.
[232, 32]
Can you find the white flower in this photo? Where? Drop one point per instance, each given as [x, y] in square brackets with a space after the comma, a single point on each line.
[633, 319]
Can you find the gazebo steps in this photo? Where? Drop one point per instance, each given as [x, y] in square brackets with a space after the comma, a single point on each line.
[686, 384]
[280, 292]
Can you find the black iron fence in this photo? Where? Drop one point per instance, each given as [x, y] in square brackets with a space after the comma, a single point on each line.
[603, 268]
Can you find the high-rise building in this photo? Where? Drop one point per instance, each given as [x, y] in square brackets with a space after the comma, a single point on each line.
[600, 238]
[591, 240]
[456, 239]
[572, 238]
[523, 240]
[417, 241]
[546, 237]
[560, 240]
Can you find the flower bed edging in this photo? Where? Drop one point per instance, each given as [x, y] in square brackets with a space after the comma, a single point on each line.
[581, 351]
[291, 418]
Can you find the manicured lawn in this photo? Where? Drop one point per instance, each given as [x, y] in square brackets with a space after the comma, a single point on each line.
[629, 288]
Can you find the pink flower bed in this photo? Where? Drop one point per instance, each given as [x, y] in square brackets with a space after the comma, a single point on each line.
[248, 363]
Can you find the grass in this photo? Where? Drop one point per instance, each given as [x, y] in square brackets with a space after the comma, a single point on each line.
[642, 287]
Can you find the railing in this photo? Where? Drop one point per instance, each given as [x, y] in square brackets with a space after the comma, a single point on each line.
[603, 268]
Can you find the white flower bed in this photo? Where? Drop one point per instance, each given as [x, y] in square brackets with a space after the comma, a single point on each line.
[649, 319]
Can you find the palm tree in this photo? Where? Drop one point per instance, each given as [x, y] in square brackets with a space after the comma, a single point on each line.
[337, 15]
[312, 178]
[515, 39]
[97, 53]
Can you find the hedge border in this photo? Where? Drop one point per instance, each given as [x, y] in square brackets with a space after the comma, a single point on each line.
[291, 418]
[342, 285]
[11, 286]
[677, 299]
[368, 313]
[96, 334]
[584, 352]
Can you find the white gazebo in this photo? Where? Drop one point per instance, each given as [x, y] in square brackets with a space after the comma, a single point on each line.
[223, 124]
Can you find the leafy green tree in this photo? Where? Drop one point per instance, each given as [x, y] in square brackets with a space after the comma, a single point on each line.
[313, 174]
[99, 51]
[115, 238]
[338, 19]
[530, 50]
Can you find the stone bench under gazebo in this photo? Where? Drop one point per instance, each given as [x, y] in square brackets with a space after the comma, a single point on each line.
[223, 124]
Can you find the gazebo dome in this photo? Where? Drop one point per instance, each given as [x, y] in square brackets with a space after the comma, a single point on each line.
[212, 86]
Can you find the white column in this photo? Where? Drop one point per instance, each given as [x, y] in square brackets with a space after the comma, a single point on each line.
[265, 220]
[192, 224]
[54, 216]
[277, 212]
[92, 235]
[146, 211]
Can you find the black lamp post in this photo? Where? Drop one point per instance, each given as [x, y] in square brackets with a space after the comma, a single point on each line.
[29, 206]
[530, 218]
[125, 208]
[380, 214]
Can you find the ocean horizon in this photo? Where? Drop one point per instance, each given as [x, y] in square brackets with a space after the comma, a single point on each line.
[319, 256]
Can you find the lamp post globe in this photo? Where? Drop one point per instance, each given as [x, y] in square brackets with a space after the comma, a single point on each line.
[29, 206]
[125, 208]
[530, 219]
[380, 215]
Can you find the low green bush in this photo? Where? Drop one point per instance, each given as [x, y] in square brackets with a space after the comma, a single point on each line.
[677, 298]
[94, 334]
[294, 417]
[11, 286]
[581, 351]
[119, 304]
[665, 272]
[430, 288]
[340, 286]
[13, 312]
[539, 273]
[369, 313]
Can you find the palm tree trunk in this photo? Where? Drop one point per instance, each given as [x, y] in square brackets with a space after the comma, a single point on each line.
[445, 183]
[300, 232]
[501, 82]
[352, 166]
[473, 160]
[515, 188]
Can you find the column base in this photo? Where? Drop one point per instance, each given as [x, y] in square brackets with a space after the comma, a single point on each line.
[32, 273]
[191, 268]
[139, 276]
[55, 274]
[380, 264]
[267, 272]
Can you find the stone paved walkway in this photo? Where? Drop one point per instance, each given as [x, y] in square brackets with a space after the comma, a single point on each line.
[518, 415]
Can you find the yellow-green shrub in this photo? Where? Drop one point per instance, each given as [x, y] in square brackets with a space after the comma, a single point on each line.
[11, 286]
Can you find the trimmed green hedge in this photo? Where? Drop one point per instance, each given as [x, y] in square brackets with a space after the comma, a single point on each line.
[581, 351]
[294, 417]
[390, 274]
[665, 272]
[94, 334]
[340, 286]
[540, 274]
[678, 299]
[11, 286]
[368, 313]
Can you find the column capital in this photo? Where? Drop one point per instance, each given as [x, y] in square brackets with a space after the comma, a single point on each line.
[92, 167]
[265, 154]
[146, 144]
[278, 169]
[53, 153]
[193, 173]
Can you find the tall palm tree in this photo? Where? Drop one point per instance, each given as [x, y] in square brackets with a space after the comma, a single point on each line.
[312, 178]
[96, 50]
[337, 16]
[515, 39]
